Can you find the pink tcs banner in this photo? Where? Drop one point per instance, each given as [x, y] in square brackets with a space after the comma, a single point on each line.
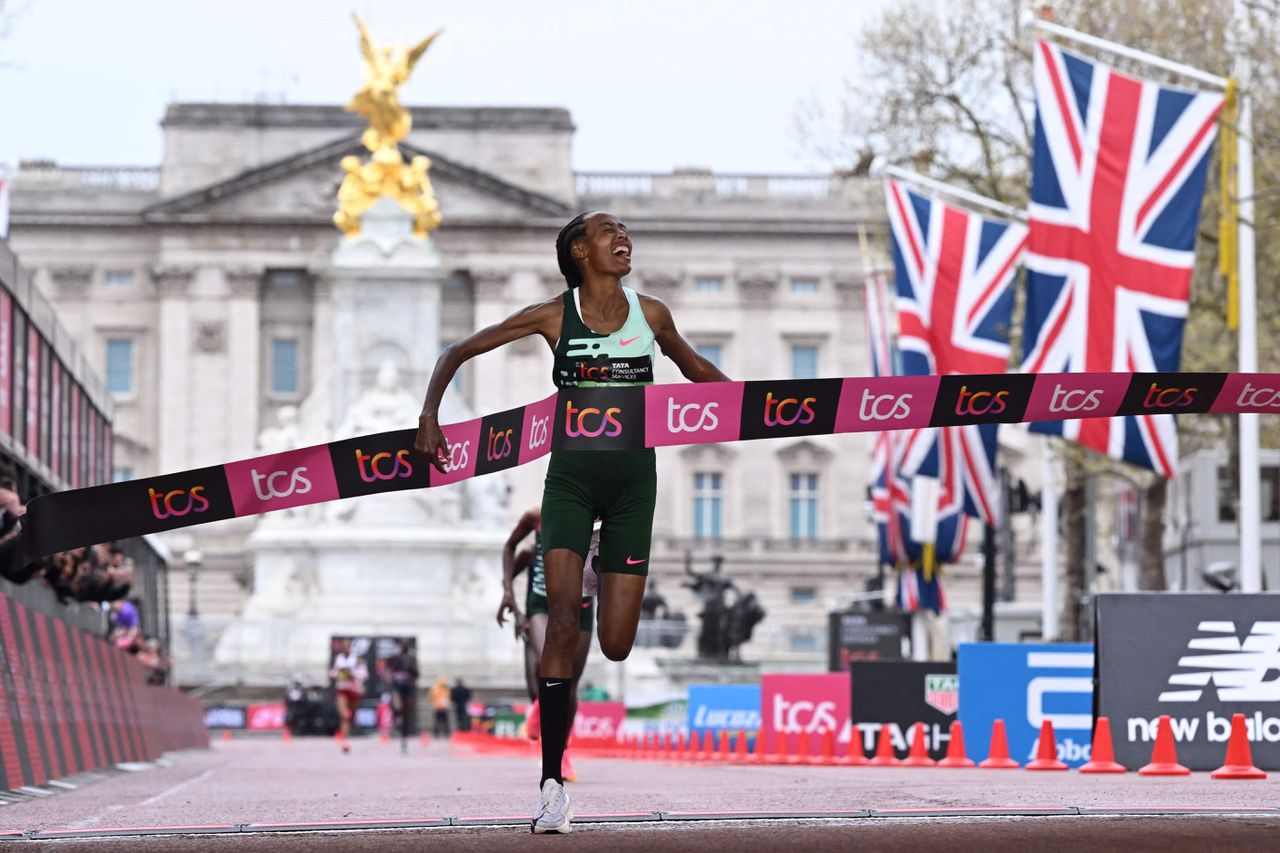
[282, 480]
[805, 706]
[599, 719]
[264, 717]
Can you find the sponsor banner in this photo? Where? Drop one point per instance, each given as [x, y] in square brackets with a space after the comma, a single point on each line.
[226, 717]
[499, 441]
[864, 637]
[269, 717]
[789, 408]
[1171, 393]
[1025, 684]
[378, 463]
[599, 419]
[899, 695]
[599, 720]
[805, 706]
[535, 437]
[633, 417]
[6, 362]
[677, 414]
[1198, 659]
[282, 480]
[1076, 395]
[996, 398]
[724, 707]
[866, 405]
[1245, 392]
[464, 447]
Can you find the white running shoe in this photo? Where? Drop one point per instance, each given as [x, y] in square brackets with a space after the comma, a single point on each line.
[554, 811]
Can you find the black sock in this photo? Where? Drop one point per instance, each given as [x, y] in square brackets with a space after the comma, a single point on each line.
[553, 701]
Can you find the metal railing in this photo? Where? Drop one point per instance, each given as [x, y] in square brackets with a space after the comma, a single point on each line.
[705, 183]
[48, 175]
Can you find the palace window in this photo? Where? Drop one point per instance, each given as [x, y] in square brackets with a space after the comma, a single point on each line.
[804, 285]
[804, 361]
[285, 370]
[708, 501]
[713, 353]
[804, 506]
[120, 365]
[708, 284]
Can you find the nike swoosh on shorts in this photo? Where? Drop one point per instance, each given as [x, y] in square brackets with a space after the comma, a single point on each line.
[631, 562]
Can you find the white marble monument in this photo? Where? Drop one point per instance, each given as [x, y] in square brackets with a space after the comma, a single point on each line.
[423, 563]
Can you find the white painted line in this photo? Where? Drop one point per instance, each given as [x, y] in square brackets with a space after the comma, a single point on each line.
[176, 788]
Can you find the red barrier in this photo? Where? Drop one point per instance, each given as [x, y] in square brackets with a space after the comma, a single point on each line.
[71, 702]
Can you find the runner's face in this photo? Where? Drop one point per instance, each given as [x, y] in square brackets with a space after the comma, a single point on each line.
[606, 247]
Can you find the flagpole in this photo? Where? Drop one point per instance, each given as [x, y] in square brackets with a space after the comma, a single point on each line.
[1250, 569]
[946, 189]
[1250, 480]
[1049, 548]
[1068, 34]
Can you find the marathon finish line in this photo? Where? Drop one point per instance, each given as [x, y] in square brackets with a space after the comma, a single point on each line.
[618, 419]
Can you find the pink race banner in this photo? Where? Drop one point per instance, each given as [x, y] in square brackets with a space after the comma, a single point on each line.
[606, 418]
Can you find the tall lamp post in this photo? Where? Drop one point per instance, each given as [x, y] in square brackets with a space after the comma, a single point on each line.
[193, 628]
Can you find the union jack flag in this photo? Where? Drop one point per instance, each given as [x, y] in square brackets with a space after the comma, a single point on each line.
[1118, 171]
[890, 494]
[954, 272]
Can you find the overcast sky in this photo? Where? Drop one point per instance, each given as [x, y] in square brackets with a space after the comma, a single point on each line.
[651, 84]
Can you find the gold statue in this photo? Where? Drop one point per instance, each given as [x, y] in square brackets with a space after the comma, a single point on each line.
[386, 173]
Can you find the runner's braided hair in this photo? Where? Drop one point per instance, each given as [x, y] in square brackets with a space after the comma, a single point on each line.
[575, 230]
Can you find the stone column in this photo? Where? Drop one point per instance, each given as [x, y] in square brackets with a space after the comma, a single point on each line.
[752, 491]
[243, 332]
[490, 387]
[173, 360]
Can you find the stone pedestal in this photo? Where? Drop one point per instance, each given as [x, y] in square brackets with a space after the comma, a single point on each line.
[423, 563]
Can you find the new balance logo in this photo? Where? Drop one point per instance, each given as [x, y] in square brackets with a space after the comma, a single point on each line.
[1247, 671]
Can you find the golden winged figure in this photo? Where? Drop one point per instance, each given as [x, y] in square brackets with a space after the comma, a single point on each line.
[386, 175]
[385, 71]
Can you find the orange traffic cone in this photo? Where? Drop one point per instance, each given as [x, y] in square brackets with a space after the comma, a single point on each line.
[781, 746]
[884, 756]
[828, 756]
[1047, 753]
[740, 753]
[722, 754]
[955, 748]
[285, 734]
[803, 753]
[226, 734]
[854, 757]
[690, 747]
[1102, 757]
[424, 739]
[919, 754]
[1164, 755]
[998, 753]
[760, 755]
[1239, 763]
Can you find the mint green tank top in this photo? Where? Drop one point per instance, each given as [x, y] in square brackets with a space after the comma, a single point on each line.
[584, 359]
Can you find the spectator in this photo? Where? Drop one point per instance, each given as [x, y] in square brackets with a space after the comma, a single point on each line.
[124, 631]
[461, 695]
[440, 701]
[154, 658]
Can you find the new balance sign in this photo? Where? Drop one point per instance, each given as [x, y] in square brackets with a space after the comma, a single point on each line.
[1197, 658]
